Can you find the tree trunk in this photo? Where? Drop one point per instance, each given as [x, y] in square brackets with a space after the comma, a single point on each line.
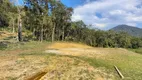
[41, 36]
[53, 33]
[13, 27]
[63, 33]
[20, 29]
[46, 34]
[59, 35]
[34, 32]
[19, 24]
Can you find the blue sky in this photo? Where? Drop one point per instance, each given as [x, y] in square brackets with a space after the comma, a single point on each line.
[72, 3]
[75, 3]
[105, 14]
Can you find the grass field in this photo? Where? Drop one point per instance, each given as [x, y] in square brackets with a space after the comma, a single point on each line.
[67, 61]
[139, 50]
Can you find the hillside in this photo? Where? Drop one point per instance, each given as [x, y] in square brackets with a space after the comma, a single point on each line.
[134, 31]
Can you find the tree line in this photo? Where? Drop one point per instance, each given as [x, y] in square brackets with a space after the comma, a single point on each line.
[50, 20]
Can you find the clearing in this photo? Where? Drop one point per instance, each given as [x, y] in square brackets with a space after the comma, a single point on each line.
[67, 61]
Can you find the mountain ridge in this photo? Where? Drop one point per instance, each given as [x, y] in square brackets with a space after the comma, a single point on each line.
[134, 31]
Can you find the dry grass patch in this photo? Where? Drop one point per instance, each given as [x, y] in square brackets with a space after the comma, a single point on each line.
[74, 49]
[18, 67]
[5, 34]
[59, 45]
[66, 68]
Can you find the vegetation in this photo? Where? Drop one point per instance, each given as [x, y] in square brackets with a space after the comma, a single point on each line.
[139, 50]
[134, 31]
[30, 58]
[50, 20]
[37, 23]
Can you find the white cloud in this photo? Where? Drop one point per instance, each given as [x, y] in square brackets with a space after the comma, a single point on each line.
[111, 13]
[101, 25]
[76, 17]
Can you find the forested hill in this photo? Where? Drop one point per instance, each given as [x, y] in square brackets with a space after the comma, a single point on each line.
[134, 31]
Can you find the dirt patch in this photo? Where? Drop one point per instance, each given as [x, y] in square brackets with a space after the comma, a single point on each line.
[59, 45]
[75, 49]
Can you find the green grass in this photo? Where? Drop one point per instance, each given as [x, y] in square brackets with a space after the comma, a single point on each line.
[26, 45]
[129, 69]
[139, 50]
[34, 53]
[3, 47]
[130, 66]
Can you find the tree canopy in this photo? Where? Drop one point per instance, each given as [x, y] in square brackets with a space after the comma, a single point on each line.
[50, 20]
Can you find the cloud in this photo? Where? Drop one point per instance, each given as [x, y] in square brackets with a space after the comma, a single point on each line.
[76, 17]
[100, 25]
[105, 14]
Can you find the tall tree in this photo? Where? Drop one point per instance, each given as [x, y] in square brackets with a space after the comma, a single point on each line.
[19, 17]
[5, 8]
[37, 12]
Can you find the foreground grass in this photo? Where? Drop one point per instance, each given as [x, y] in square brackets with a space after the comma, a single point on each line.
[16, 66]
[61, 66]
[129, 65]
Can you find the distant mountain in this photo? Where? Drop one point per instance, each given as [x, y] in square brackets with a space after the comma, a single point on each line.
[134, 31]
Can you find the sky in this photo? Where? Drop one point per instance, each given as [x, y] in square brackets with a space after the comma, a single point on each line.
[105, 14]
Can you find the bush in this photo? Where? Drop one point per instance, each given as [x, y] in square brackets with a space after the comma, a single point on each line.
[3, 45]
